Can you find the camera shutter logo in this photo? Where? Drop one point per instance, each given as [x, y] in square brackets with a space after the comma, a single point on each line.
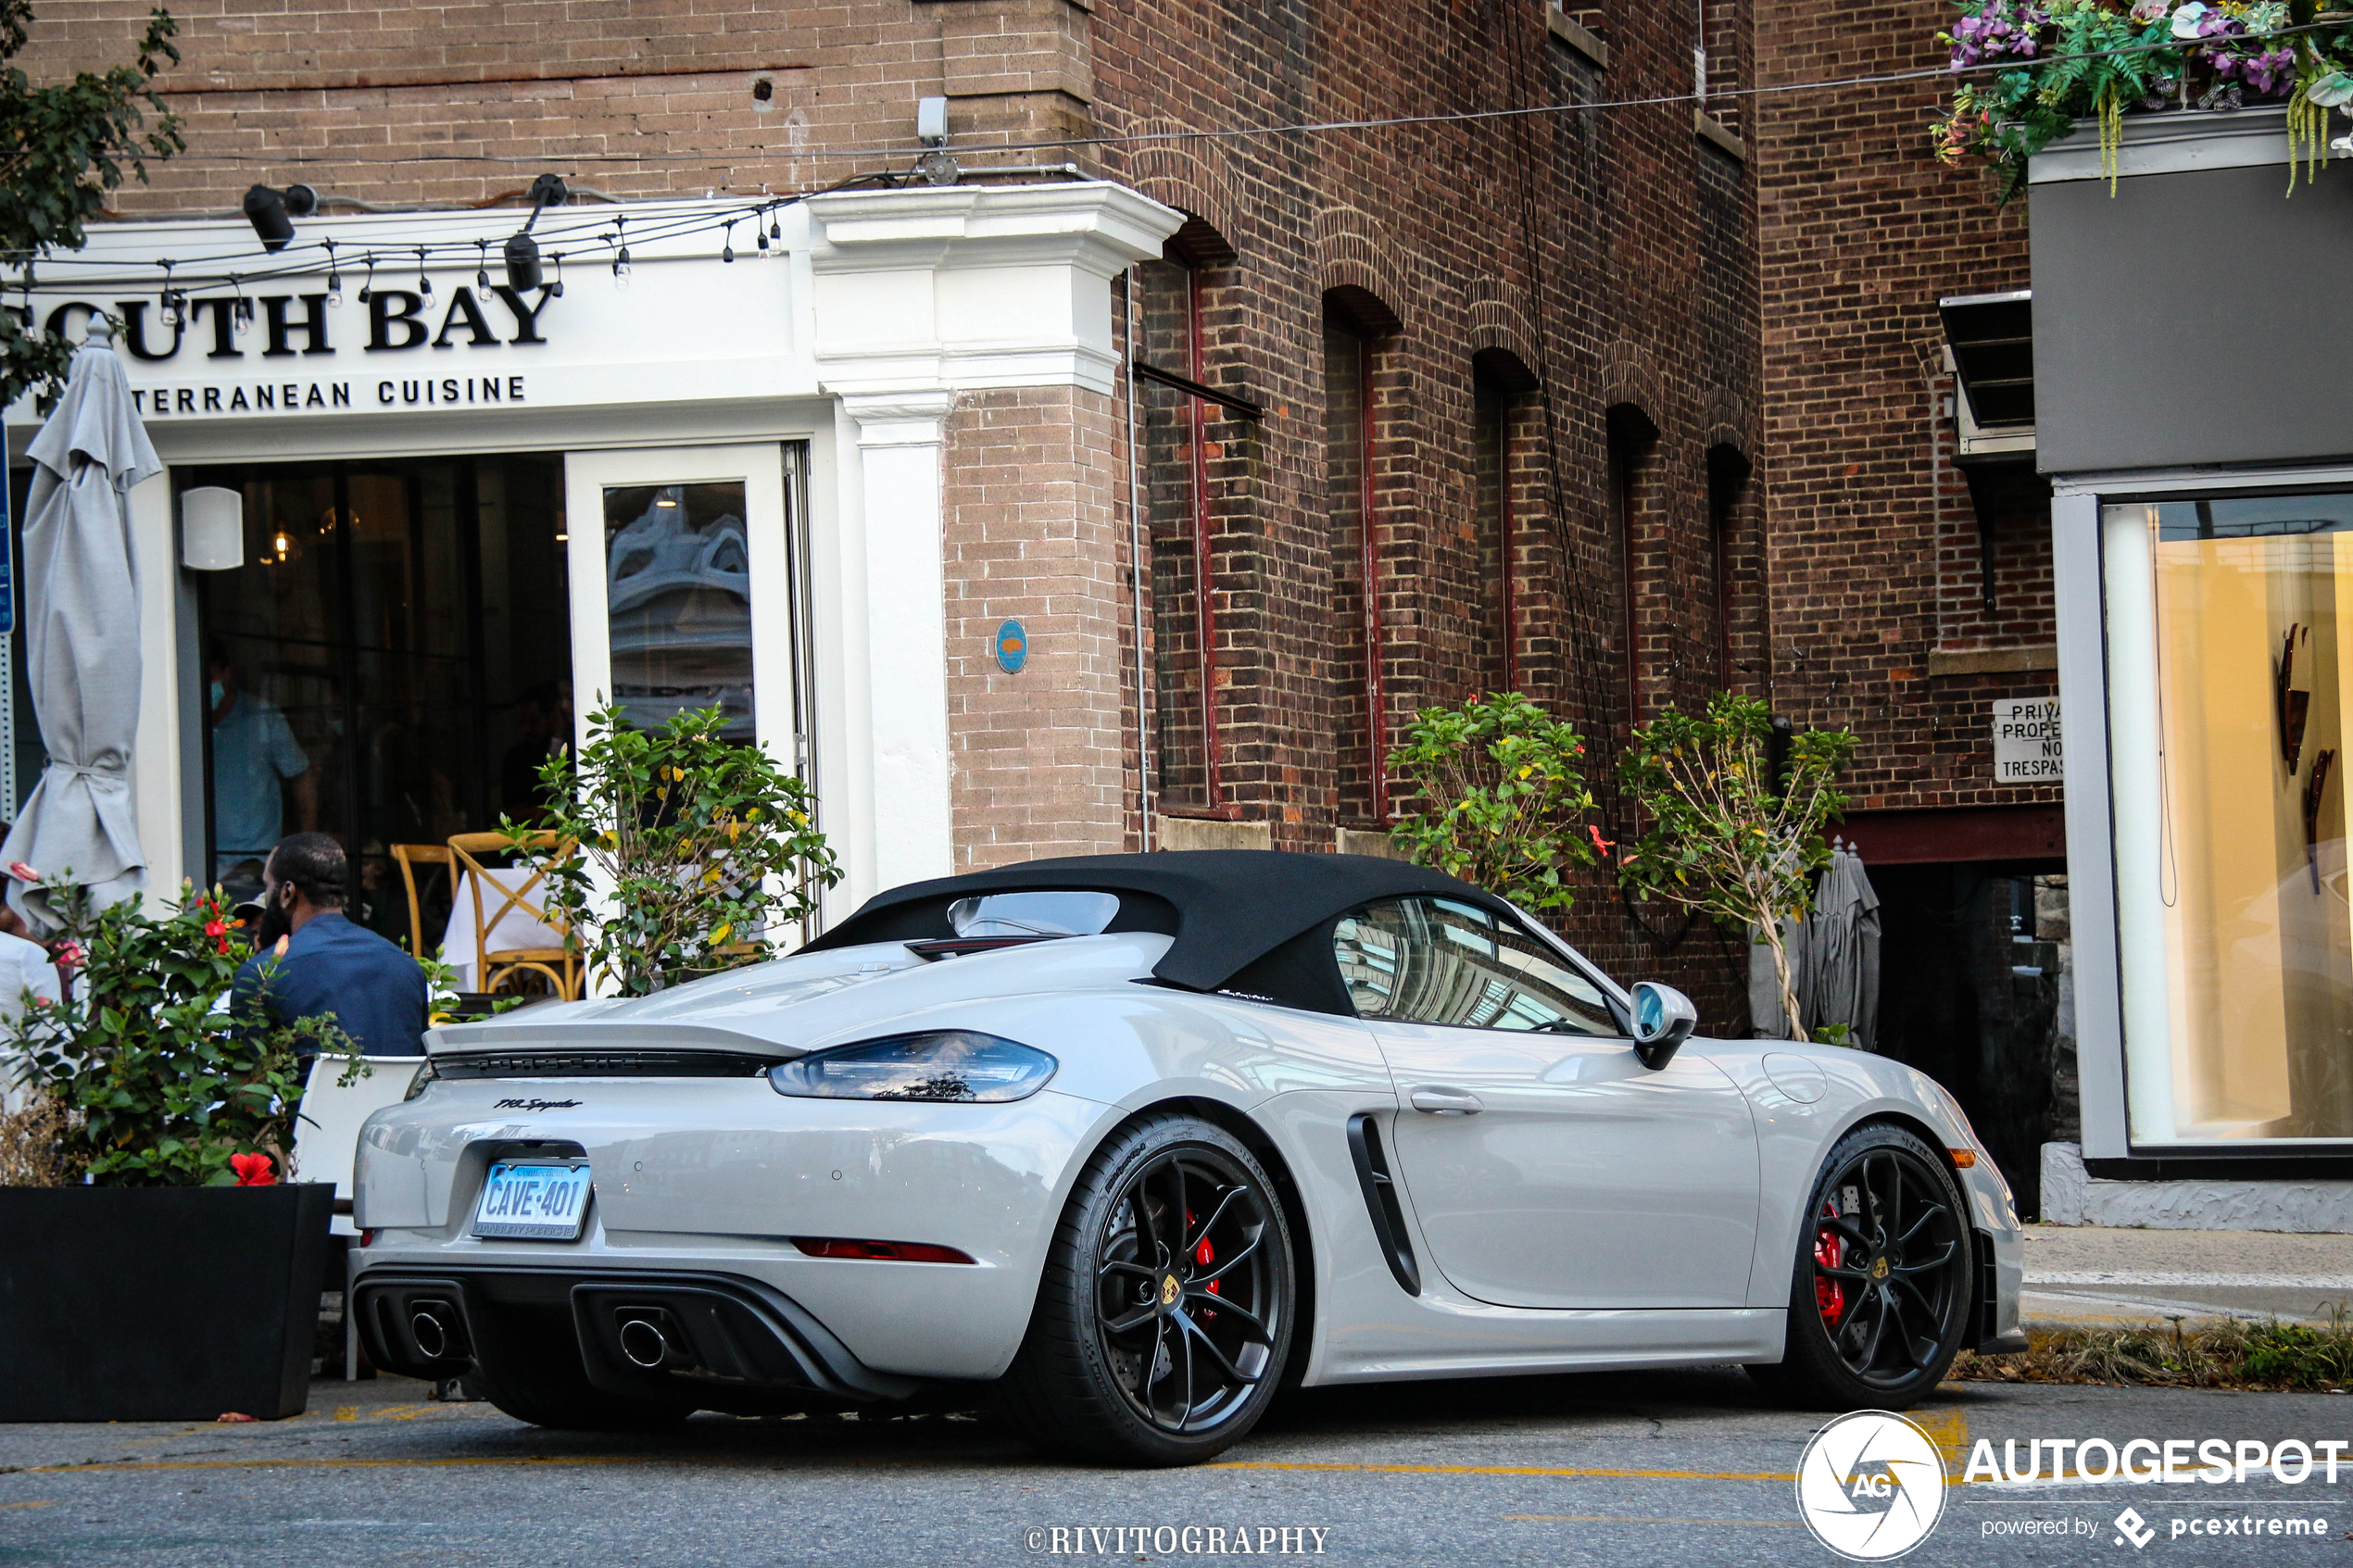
[1870, 1487]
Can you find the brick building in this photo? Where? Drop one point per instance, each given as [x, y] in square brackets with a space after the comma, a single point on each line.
[1909, 553]
[1422, 409]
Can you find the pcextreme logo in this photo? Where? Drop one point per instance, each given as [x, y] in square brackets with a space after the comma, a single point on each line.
[1870, 1487]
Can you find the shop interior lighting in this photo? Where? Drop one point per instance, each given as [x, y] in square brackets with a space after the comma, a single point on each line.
[272, 212]
[521, 250]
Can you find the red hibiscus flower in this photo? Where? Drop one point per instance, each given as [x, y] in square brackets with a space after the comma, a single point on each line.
[253, 1170]
[1604, 845]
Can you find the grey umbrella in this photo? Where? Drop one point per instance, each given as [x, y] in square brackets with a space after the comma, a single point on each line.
[82, 637]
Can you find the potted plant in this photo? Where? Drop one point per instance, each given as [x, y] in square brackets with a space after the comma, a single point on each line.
[693, 853]
[1501, 795]
[1733, 832]
[164, 1268]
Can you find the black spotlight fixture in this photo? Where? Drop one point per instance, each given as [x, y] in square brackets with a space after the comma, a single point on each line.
[273, 212]
[521, 250]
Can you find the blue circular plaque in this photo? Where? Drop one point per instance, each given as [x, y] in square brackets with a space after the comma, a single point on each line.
[1012, 647]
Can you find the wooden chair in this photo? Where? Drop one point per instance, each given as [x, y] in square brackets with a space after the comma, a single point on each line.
[408, 856]
[494, 967]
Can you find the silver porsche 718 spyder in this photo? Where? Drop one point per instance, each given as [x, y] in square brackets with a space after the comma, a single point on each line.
[1140, 1140]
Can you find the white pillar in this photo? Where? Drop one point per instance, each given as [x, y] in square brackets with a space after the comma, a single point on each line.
[900, 437]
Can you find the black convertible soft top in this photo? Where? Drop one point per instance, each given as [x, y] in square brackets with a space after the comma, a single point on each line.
[1233, 911]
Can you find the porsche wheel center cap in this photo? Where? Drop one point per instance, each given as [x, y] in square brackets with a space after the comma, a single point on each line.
[1169, 1290]
[1878, 1267]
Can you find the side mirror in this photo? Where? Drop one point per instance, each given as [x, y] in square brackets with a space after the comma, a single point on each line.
[1664, 1018]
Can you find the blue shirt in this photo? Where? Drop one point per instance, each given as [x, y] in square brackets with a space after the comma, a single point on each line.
[253, 748]
[335, 968]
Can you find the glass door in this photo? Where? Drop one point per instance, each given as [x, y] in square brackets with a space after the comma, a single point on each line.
[689, 584]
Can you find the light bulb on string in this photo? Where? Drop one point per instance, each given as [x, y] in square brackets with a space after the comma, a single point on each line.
[335, 279]
[170, 301]
[557, 289]
[368, 289]
[424, 284]
[620, 269]
[727, 251]
[239, 309]
[481, 265]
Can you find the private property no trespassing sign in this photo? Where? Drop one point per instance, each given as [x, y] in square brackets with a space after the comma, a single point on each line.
[2026, 741]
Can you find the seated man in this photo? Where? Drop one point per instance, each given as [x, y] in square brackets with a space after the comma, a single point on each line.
[324, 965]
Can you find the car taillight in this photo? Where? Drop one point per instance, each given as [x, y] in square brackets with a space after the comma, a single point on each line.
[367, 1238]
[879, 1252]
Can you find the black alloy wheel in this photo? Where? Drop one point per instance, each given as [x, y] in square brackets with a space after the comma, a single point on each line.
[1881, 1299]
[1164, 1319]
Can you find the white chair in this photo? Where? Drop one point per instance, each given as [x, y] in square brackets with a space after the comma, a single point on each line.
[326, 1147]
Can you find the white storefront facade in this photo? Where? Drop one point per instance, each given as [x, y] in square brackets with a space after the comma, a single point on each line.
[719, 480]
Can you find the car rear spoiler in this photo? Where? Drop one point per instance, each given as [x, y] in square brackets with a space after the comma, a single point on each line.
[589, 1035]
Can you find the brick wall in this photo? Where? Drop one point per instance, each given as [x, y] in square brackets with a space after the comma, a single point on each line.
[1032, 533]
[1876, 538]
[1578, 262]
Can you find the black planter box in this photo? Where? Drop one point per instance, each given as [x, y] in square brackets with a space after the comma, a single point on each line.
[159, 1303]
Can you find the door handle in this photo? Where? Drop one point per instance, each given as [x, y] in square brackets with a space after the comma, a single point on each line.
[1446, 1102]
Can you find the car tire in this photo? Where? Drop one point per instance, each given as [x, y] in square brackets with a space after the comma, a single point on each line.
[1881, 1296]
[537, 1378]
[1165, 1317]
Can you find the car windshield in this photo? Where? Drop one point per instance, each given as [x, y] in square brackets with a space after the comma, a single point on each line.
[1033, 914]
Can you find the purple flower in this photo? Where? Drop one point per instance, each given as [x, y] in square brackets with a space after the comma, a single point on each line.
[2001, 31]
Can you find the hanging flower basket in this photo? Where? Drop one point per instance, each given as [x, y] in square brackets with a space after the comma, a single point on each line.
[2028, 72]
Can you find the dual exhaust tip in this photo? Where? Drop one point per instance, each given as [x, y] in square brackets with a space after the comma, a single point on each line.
[649, 1337]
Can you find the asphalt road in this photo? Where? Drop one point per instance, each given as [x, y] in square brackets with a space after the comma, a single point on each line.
[1662, 1468]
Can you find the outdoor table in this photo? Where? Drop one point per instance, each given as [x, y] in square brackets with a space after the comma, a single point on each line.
[512, 929]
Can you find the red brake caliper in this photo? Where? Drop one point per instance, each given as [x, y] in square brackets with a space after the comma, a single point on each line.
[1828, 1250]
[1205, 1254]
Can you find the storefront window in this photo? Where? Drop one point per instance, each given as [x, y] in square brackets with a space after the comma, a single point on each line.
[2231, 667]
[391, 664]
[678, 602]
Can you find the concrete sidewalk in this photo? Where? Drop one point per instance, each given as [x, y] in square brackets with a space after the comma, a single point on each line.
[2081, 1276]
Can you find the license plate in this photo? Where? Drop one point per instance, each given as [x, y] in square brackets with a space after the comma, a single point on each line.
[533, 1202]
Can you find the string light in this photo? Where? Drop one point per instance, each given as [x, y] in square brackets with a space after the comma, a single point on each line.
[727, 251]
[481, 265]
[325, 260]
[556, 291]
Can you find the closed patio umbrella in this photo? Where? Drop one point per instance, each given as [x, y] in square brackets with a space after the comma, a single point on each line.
[82, 637]
[1842, 983]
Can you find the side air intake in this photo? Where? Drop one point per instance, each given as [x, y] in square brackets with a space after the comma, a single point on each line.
[1380, 1200]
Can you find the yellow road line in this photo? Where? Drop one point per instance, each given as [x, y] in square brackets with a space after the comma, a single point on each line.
[1644, 1519]
[1512, 1470]
[349, 1463]
[42, 1503]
